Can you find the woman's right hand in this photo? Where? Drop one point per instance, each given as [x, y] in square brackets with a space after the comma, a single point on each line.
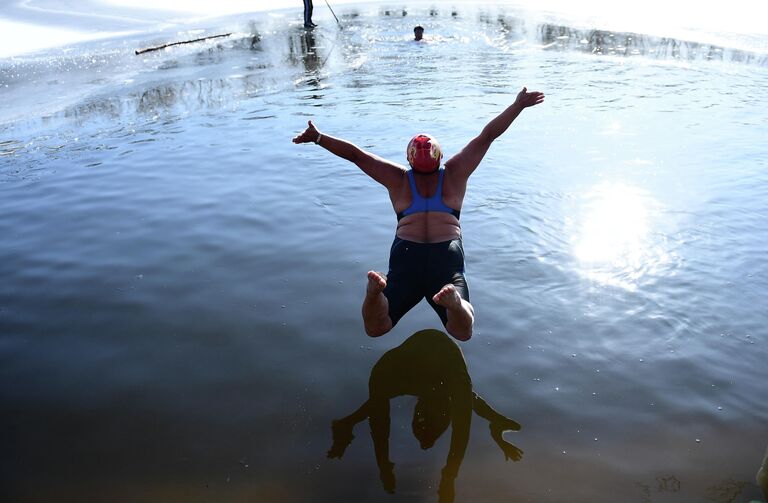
[310, 135]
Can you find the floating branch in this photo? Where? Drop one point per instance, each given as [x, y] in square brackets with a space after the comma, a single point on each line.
[157, 48]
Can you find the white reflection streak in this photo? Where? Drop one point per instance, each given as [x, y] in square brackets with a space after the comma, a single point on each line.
[613, 241]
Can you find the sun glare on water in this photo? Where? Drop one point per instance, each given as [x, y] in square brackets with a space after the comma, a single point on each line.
[614, 240]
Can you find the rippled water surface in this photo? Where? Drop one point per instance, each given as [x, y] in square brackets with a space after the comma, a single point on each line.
[181, 285]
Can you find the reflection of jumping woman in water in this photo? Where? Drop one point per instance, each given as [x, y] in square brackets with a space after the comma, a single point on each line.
[430, 366]
[427, 256]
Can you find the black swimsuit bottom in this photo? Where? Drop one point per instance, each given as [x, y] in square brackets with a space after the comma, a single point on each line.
[420, 270]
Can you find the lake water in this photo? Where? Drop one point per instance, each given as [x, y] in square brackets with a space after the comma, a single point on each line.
[181, 285]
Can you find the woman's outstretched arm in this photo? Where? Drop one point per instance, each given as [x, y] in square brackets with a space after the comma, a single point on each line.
[385, 172]
[466, 161]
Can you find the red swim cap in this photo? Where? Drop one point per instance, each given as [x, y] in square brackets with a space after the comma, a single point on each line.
[424, 154]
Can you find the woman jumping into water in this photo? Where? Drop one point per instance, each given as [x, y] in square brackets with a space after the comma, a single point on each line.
[427, 257]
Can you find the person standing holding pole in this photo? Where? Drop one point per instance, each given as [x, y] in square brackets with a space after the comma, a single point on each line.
[308, 14]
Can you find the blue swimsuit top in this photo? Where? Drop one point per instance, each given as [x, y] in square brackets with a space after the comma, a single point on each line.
[420, 204]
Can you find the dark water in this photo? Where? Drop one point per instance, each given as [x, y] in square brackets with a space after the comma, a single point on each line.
[181, 285]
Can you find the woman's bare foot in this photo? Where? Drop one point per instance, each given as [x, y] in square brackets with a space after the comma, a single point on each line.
[376, 306]
[460, 312]
[448, 297]
[377, 282]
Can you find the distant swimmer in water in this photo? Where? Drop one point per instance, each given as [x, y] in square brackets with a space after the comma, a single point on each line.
[427, 256]
[430, 366]
[418, 33]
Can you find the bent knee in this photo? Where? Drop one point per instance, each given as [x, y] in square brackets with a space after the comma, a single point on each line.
[378, 330]
[464, 337]
[461, 335]
[375, 332]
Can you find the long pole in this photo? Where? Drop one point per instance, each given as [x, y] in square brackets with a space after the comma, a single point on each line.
[158, 47]
[334, 14]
